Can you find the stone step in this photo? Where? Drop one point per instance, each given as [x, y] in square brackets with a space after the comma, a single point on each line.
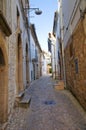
[25, 102]
[20, 96]
[59, 85]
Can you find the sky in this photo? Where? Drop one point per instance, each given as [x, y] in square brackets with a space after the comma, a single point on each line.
[44, 22]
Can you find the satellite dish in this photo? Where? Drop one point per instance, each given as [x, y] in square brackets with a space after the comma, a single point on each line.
[38, 12]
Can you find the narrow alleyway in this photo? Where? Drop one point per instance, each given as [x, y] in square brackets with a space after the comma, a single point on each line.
[49, 110]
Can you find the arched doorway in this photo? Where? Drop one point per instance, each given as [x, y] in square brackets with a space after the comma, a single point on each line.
[19, 65]
[3, 86]
[27, 65]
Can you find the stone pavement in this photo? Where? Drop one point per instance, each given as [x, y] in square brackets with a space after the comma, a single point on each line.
[50, 109]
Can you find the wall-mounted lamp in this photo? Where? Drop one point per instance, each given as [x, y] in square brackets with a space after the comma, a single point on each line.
[37, 10]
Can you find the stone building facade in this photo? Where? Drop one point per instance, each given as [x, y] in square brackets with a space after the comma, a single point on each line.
[14, 53]
[73, 37]
[75, 53]
[52, 42]
[36, 52]
[5, 31]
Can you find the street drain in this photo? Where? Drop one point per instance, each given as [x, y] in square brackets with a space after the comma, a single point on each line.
[51, 102]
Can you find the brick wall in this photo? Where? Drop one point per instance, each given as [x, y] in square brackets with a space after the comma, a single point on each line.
[75, 61]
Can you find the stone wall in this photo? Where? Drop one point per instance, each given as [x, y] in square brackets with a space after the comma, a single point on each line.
[3, 78]
[12, 72]
[17, 55]
[75, 61]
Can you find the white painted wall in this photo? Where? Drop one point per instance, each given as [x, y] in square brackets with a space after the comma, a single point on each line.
[32, 51]
[71, 16]
[46, 59]
[44, 66]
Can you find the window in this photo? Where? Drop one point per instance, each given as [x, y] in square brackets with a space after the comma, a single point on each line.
[71, 49]
[2, 62]
[76, 66]
[18, 18]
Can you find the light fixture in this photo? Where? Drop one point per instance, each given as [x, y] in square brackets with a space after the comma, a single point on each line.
[37, 11]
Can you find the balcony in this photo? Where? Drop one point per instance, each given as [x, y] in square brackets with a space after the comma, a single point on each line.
[34, 60]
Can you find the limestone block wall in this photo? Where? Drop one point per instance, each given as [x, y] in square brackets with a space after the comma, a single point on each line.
[12, 72]
[14, 56]
[3, 78]
[75, 58]
[17, 44]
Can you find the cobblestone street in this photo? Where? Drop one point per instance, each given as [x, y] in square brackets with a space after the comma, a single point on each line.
[49, 109]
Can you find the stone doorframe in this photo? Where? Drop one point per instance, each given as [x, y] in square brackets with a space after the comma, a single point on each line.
[3, 82]
[19, 69]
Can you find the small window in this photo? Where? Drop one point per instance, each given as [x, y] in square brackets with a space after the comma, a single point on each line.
[18, 18]
[76, 66]
[71, 49]
[2, 62]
